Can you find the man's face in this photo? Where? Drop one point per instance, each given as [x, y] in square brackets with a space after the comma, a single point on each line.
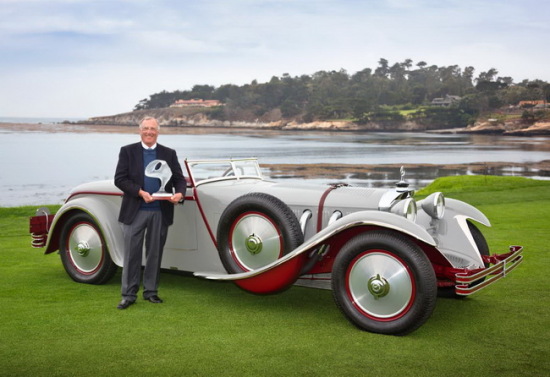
[149, 132]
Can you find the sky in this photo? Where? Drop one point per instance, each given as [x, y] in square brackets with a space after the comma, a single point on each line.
[87, 58]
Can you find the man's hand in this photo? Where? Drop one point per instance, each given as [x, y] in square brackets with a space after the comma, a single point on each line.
[176, 198]
[147, 198]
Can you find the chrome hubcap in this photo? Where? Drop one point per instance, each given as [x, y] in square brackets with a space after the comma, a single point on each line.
[254, 244]
[85, 248]
[378, 286]
[255, 241]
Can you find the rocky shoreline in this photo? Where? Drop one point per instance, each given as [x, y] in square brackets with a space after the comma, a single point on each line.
[185, 118]
[511, 128]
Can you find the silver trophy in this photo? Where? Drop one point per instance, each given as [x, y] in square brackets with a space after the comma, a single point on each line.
[160, 169]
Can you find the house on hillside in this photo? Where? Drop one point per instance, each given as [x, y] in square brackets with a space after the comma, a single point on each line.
[536, 103]
[196, 102]
[445, 102]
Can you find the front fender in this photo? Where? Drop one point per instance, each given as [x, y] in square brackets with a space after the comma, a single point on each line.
[467, 210]
[105, 214]
[283, 272]
[454, 239]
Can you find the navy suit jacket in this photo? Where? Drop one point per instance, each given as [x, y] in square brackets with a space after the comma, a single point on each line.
[130, 175]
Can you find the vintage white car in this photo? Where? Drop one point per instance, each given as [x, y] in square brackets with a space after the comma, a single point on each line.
[384, 255]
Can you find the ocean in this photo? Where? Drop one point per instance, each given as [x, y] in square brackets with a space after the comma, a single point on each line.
[41, 167]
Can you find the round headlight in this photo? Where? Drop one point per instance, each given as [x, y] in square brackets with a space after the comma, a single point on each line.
[434, 205]
[406, 208]
[411, 210]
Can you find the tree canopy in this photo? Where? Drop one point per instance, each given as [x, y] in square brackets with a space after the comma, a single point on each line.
[365, 95]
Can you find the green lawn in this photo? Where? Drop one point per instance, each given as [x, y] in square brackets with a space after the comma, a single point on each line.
[51, 326]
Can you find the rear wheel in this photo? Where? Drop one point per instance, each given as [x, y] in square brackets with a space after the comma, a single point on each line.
[384, 283]
[83, 251]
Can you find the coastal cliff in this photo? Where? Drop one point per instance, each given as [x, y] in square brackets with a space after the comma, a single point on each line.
[512, 128]
[197, 117]
[187, 117]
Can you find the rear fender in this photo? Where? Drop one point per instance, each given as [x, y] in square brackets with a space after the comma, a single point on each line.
[283, 272]
[105, 215]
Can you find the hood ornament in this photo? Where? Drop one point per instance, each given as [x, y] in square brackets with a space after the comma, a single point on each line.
[402, 185]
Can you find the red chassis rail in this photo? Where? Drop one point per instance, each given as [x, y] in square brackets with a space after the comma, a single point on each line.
[468, 281]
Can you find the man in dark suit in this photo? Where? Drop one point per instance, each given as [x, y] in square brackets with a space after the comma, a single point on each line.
[141, 215]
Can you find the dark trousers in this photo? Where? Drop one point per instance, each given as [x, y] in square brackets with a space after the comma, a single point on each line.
[148, 226]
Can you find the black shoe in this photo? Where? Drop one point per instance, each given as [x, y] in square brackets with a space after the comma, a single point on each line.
[154, 299]
[124, 304]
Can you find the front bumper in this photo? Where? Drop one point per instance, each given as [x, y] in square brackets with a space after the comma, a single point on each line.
[471, 281]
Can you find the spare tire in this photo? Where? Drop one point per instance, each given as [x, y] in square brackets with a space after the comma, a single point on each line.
[255, 230]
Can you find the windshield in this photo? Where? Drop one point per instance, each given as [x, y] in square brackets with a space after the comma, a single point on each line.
[208, 170]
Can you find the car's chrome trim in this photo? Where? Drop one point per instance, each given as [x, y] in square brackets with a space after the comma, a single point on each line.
[504, 264]
[40, 227]
[219, 179]
[219, 161]
[335, 216]
[232, 162]
[306, 216]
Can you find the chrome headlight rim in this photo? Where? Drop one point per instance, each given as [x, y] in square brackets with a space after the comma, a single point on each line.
[411, 210]
[434, 205]
[406, 208]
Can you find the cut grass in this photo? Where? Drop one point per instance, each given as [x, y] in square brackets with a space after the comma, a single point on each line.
[51, 326]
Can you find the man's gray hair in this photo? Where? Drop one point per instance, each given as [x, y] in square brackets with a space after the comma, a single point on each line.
[148, 118]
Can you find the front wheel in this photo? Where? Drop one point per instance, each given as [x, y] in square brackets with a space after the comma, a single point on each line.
[384, 283]
[83, 251]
